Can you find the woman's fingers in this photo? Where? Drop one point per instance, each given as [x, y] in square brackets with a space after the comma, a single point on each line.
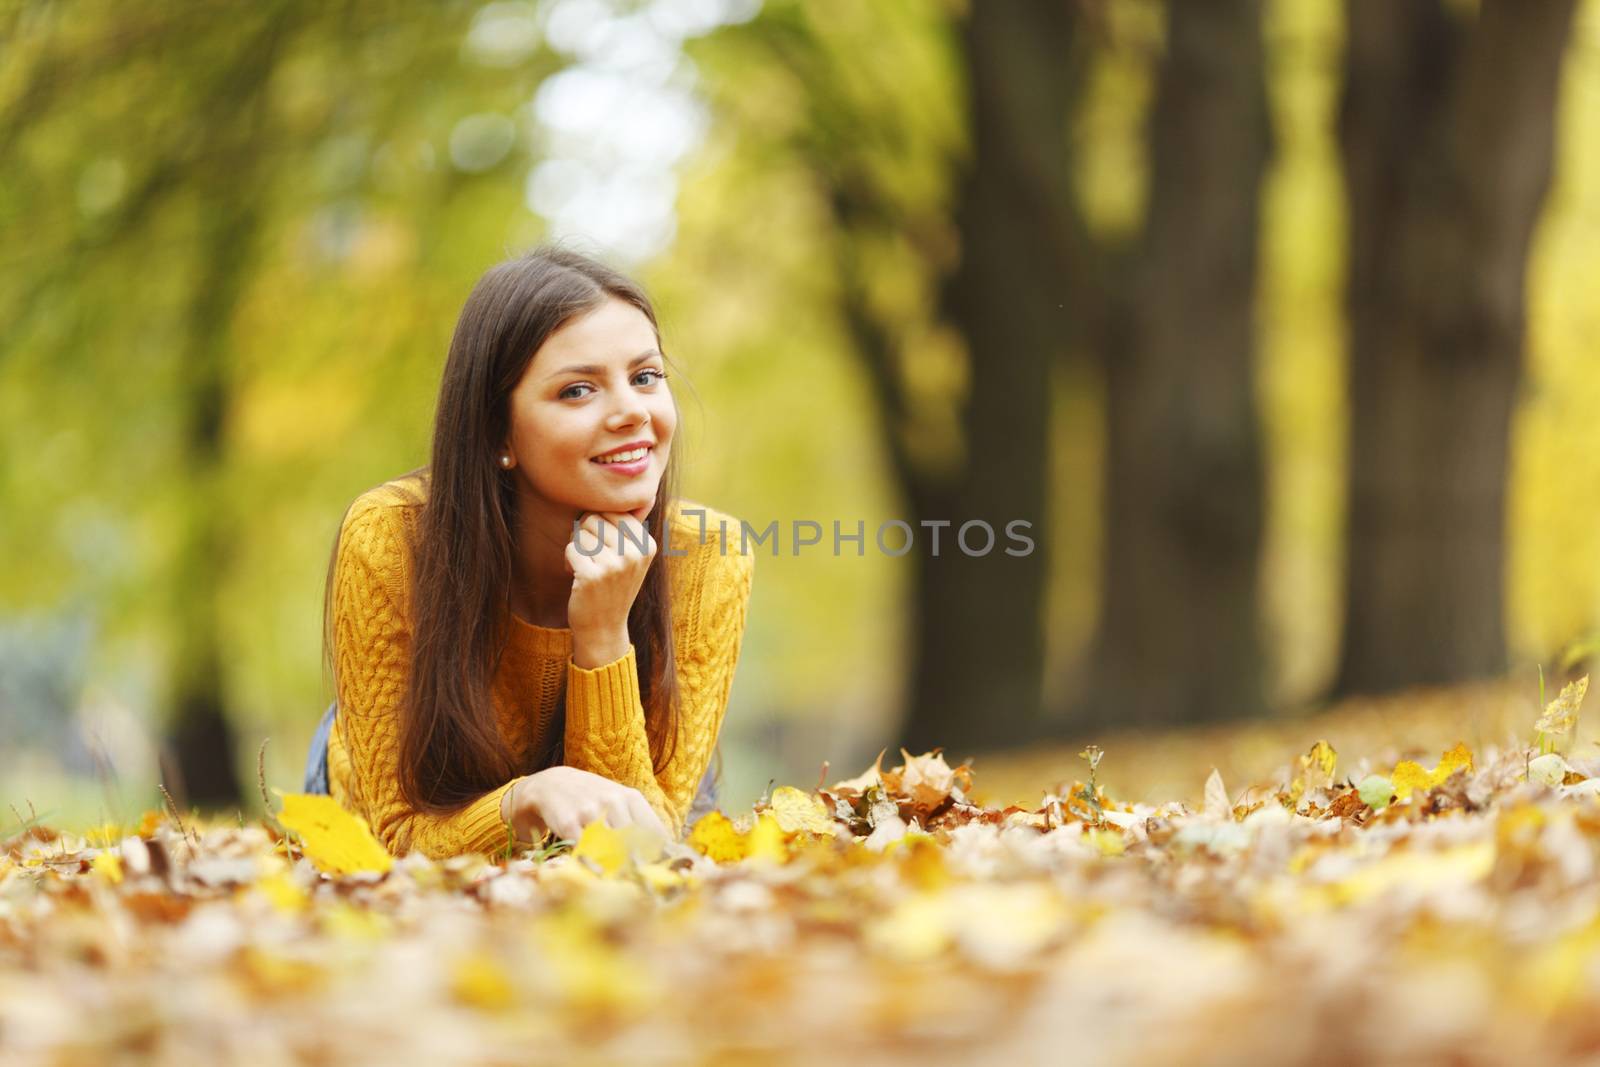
[594, 534]
[617, 807]
[630, 532]
[613, 533]
[645, 815]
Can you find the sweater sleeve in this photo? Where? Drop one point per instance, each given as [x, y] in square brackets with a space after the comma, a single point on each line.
[605, 727]
[372, 646]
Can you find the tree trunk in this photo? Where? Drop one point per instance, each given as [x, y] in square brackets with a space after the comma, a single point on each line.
[1179, 635]
[1447, 128]
[978, 645]
[232, 200]
[201, 737]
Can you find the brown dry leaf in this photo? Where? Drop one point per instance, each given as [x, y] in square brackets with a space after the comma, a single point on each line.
[872, 776]
[926, 780]
[1465, 926]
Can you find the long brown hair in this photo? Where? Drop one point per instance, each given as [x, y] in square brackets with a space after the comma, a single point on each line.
[462, 544]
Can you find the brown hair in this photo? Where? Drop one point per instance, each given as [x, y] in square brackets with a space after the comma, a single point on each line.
[461, 547]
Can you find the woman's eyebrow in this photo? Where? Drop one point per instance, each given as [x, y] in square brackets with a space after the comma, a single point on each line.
[589, 368]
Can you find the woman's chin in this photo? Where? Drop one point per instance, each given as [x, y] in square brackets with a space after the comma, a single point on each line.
[621, 500]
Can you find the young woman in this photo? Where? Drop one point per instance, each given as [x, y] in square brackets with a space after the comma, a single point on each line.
[533, 632]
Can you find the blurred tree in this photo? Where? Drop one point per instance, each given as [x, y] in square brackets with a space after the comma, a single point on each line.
[979, 620]
[158, 159]
[231, 119]
[1168, 315]
[1447, 128]
[1179, 637]
[977, 638]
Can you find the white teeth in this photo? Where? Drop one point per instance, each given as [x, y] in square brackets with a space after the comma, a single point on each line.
[624, 457]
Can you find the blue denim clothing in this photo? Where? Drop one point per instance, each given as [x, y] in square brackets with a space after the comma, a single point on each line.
[317, 761]
[705, 797]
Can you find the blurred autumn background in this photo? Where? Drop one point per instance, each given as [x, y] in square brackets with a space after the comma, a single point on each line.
[1276, 319]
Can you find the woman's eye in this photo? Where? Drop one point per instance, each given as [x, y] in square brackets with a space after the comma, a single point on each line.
[567, 393]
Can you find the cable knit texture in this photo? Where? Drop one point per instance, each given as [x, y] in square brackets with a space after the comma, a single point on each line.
[604, 731]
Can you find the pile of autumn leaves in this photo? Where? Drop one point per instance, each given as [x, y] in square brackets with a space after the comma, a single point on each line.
[1438, 910]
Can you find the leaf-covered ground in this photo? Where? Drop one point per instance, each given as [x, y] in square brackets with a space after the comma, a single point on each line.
[1438, 911]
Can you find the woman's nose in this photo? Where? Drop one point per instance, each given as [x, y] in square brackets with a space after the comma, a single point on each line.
[629, 411]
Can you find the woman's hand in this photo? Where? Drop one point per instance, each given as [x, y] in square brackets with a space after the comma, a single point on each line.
[605, 582]
[565, 800]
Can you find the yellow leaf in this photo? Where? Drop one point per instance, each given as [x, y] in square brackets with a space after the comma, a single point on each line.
[1418, 871]
[765, 841]
[108, 865]
[1409, 776]
[1317, 765]
[659, 877]
[592, 974]
[355, 924]
[602, 846]
[1107, 842]
[1561, 716]
[800, 812]
[1554, 975]
[273, 975]
[1323, 755]
[916, 929]
[715, 838]
[479, 981]
[922, 862]
[336, 840]
[284, 893]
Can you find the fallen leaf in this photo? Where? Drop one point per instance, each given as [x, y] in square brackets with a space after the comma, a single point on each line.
[336, 840]
[800, 812]
[1561, 715]
[1318, 764]
[108, 865]
[714, 837]
[1549, 769]
[926, 780]
[1409, 776]
[872, 776]
[602, 846]
[479, 981]
[766, 840]
[1376, 791]
[1217, 805]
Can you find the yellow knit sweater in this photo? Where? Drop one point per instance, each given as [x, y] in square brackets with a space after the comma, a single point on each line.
[604, 729]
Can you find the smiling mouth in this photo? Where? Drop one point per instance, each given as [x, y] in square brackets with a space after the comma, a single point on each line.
[624, 457]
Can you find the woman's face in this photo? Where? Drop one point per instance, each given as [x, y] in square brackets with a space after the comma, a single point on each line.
[596, 385]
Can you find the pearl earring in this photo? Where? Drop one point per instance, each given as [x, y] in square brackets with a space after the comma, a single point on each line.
[505, 461]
